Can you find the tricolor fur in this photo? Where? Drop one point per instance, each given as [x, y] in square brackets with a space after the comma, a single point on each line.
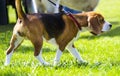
[58, 27]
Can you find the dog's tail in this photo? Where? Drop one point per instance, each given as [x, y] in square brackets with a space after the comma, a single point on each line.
[20, 12]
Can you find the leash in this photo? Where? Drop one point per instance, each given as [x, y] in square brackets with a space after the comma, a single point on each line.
[74, 20]
[70, 15]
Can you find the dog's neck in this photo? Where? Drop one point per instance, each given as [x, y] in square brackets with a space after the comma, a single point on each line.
[74, 20]
[82, 19]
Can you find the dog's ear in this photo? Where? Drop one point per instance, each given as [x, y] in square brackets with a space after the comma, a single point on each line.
[94, 24]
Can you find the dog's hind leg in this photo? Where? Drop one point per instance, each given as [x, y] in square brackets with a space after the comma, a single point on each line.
[16, 40]
[38, 52]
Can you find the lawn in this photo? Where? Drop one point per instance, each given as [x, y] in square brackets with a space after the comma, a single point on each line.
[102, 52]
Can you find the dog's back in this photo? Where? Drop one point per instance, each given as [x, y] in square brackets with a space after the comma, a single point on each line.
[53, 23]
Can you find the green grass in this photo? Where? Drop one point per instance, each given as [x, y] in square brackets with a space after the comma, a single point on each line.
[102, 52]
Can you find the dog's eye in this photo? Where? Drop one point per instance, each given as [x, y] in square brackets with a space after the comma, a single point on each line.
[101, 21]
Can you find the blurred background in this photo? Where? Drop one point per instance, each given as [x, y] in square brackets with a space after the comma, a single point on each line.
[8, 9]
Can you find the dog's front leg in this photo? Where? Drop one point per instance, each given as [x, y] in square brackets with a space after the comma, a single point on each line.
[57, 57]
[16, 40]
[75, 53]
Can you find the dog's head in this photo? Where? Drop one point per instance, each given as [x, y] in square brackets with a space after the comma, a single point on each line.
[94, 21]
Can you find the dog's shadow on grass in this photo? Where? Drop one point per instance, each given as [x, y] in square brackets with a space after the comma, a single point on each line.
[96, 65]
[113, 32]
[77, 65]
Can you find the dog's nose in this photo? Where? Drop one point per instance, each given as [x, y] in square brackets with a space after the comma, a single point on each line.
[110, 26]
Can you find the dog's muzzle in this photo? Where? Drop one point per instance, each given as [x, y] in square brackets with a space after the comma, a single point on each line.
[106, 27]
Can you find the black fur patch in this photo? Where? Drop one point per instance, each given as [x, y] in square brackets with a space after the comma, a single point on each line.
[54, 24]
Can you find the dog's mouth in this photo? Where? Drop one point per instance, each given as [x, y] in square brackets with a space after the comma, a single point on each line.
[96, 34]
[106, 27]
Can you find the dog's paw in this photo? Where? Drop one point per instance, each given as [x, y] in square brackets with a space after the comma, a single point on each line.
[46, 64]
[55, 63]
[83, 62]
[6, 63]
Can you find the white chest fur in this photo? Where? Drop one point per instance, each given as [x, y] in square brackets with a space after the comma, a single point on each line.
[51, 41]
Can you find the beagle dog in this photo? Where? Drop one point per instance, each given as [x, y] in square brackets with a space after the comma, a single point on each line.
[58, 27]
